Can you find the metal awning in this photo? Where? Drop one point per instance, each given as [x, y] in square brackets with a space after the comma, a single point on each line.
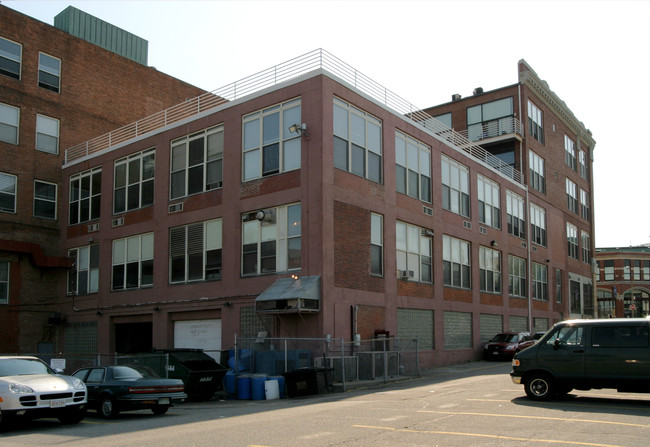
[289, 295]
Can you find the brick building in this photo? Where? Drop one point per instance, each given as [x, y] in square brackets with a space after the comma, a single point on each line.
[316, 203]
[56, 90]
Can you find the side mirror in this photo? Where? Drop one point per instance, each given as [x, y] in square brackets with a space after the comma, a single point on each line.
[557, 344]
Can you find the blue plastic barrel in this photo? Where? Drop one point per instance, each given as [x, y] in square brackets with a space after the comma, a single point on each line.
[257, 386]
[244, 386]
[229, 382]
[280, 380]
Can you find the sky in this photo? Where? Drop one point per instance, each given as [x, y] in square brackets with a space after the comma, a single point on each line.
[593, 54]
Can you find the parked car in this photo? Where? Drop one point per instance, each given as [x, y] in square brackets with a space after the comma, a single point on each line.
[505, 345]
[30, 388]
[112, 389]
[538, 335]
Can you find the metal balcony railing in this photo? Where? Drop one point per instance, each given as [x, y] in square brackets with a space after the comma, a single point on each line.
[508, 125]
[317, 59]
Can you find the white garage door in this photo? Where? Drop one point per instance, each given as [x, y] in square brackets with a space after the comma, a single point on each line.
[201, 334]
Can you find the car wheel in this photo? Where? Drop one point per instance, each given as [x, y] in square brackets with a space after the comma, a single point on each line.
[107, 408]
[73, 415]
[540, 386]
[160, 409]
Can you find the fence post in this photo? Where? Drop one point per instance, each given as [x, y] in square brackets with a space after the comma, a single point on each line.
[236, 358]
[417, 357]
[342, 364]
[385, 361]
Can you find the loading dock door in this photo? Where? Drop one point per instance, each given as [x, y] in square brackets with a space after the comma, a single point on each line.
[201, 334]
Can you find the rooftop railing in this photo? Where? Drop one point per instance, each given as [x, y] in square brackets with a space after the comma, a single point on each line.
[317, 59]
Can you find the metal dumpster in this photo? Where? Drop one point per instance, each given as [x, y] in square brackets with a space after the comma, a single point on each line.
[201, 374]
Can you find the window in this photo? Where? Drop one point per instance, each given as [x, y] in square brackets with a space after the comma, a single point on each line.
[558, 285]
[571, 196]
[627, 269]
[537, 178]
[271, 240]
[585, 209]
[195, 252]
[586, 247]
[376, 244]
[44, 200]
[646, 270]
[456, 262]
[8, 192]
[416, 324]
[196, 163]
[10, 58]
[83, 278]
[516, 214]
[269, 146]
[413, 167]
[49, 72]
[134, 181]
[538, 225]
[357, 141]
[609, 270]
[582, 159]
[572, 240]
[413, 248]
[445, 119]
[516, 276]
[569, 152]
[47, 134]
[489, 210]
[455, 186]
[85, 196]
[540, 282]
[9, 118]
[619, 337]
[490, 270]
[4, 282]
[133, 262]
[535, 122]
[490, 119]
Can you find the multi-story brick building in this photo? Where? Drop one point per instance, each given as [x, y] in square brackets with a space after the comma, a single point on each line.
[314, 203]
[56, 90]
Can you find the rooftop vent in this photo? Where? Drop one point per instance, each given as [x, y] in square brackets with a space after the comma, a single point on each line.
[455, 97]
[478, 90]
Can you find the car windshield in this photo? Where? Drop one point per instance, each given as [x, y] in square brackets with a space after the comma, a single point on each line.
[19, 367]
[133, 372]
[505, 338]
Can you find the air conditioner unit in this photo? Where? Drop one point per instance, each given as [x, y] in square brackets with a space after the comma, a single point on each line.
[467, 224]
[175, 207]
[482, 230]
[428, 233]
[93, 227]
[118, 222]
[406, 274]
[428, 211]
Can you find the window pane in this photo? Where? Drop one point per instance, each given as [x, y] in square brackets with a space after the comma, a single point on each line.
[271, 159]
[340, 153]
[251, 165]
[291, 154]
[358, 161]
[251, 134]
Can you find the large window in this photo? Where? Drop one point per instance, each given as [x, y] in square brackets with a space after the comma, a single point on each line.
[195, 251]
[490, 270]
[413, 253]
[11, 54]
[456, 262]
[516, 276]
[83, 278]
[570, 152]
[540, 281]
[9, 119]
[8, 192]
[571, 196]
[585, 208]
[271, 240]
[44, 199]
[47, 134]
[413, 167]
[416, 324]
[133, 262]
[134, 181]
[85, 196]
[582, 159]
[535, 122]
[489, 209]
[609, 269]
[572, 240]
[4, 282]
[558, 285]
[376, 244]
[490, 119]
[516, 214]
[537, 178]
[269, 146]
[357, 141]
[585, 242]
[197, 163]
[538, 224]
[455, 186]
[49, 72]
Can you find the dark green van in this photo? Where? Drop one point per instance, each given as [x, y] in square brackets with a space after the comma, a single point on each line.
[586, 354]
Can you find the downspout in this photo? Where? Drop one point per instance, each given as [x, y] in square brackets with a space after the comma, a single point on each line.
[529, 267]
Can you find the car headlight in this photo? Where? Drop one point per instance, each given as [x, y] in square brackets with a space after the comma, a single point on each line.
[18, 388]
[510, 347]
[78, 384]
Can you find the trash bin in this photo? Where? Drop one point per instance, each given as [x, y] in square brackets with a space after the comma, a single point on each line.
[201, 374]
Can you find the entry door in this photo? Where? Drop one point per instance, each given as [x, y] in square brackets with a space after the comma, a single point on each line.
[564, 354]
[201, 334]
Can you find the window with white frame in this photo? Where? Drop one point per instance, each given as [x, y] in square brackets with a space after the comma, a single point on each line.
[376, 244]
[44, 199]
[537, 178]
[11, 54]
[646, 270]
[571, 196]
[83, 278]
[538, 224]
[516, 276]
[196, 163]
[539, 274]
[133, 262]
[490, 270]
[572, 240]
[9, 119]
[357, 141]
[413, 167]
[489, 209]
[49, 72]
[570, 152]
[271, 240]
[85, 196]
[47, 134]
[490, 119]
[269, 146]
[585, 241]
[8, 192]
[558, 285]
[134, 181]
[4, 282]
[413, 248]
[455, 186]
[582, 160]
[456, 269]
[195, 252]
[585, 208]
[516, 214]
[608, 268]
[535, 122]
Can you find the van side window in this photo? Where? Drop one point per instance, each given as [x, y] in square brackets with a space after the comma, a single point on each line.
[569, 335]
[620, 337]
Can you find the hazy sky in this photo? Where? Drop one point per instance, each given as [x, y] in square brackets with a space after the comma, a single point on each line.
[593, 54]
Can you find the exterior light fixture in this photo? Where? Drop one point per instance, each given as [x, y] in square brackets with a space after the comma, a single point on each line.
[494, 243]
[300, 129]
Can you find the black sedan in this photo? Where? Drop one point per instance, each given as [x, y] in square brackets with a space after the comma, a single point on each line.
[112, 389]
